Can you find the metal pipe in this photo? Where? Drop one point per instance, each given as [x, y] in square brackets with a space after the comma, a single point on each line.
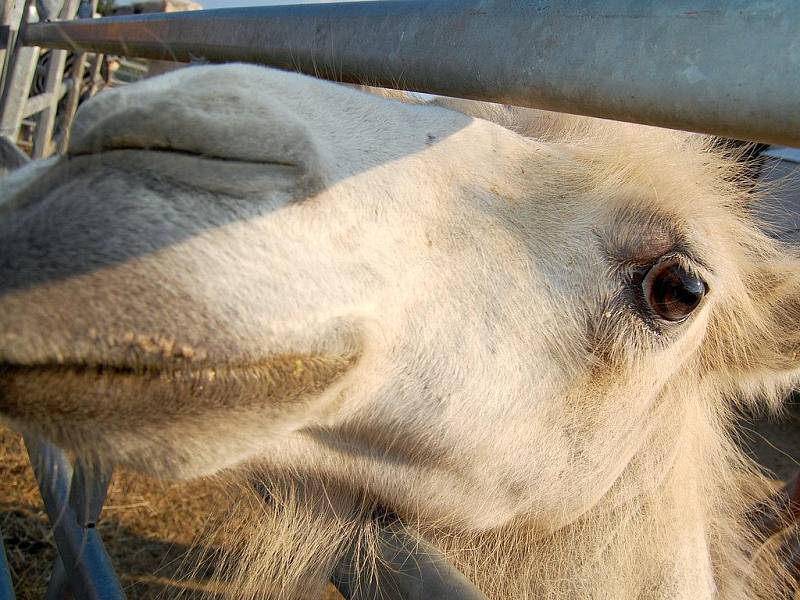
[14, 87]
[727, 67]
[408, 568]
[6, 585]
[87, 493]
[73, 501]
[58, 587]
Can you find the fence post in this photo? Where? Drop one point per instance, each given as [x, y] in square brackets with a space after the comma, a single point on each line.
[86, 10]
[6, 587]
[42, 142]
[18, 71]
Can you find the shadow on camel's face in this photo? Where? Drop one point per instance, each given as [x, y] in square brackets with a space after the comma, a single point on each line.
[236, 263]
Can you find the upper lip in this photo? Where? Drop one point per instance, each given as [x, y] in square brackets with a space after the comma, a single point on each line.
[180, 151]
[6, 367]
[99, 368]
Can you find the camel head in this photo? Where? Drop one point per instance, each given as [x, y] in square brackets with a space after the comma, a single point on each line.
[468, 319]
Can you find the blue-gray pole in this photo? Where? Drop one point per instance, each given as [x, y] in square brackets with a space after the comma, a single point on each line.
[408, 568]
[6, 585]
[727, 67]
[73, 499]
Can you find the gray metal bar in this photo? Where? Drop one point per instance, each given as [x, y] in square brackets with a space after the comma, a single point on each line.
[18, 71]
[43, 136]
[94, 74]
[10, 17]
[6, 585]
[86, 10]
[410, 569]
[727, 67]
[58, 585]
[49, 9]
[73, 502]
[87, 493]
[36, 104]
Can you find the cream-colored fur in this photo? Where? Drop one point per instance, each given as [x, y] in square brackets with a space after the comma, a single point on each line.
[355, 301]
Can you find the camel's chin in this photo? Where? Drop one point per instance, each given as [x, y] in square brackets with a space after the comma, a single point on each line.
[123, 414]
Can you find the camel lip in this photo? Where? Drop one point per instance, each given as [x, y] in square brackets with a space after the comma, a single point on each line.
[180, 152]
[177, 368]
[138, 352]
[121, 413]
[162, 367]
[9, 367]
[113, 369]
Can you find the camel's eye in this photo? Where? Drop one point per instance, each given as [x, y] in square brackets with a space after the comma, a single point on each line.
[671, 291]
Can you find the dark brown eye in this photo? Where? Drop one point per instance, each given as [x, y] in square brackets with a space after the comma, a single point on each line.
[671, 291]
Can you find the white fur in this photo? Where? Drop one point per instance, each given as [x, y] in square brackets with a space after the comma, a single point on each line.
[446, 290]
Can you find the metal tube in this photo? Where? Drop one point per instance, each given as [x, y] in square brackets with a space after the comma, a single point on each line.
[6, 585]
[727, 67]
[58, 587]
[73, 502]
[408, 569]
[87, 493]
[18, 71]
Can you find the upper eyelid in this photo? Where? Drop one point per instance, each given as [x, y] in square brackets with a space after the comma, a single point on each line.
[691, 264]
[686, 259]
[615, 255]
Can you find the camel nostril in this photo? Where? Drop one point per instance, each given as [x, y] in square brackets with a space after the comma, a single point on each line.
[175, 113]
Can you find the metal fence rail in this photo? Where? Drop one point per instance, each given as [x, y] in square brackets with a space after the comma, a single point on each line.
[6, 588]
[73, 498]
[19, 64]
[726, 67]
